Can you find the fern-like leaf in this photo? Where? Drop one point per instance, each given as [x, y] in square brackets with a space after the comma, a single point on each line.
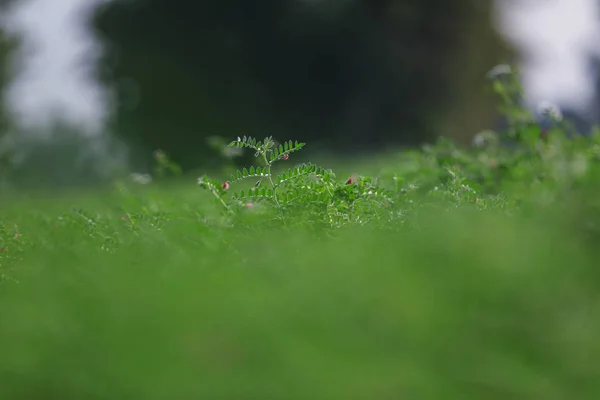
[254, 172]
[304, 170]
[246, 141]
[255, 193]
[285, 149]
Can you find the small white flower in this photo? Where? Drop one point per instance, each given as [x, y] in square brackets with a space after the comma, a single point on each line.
[484, 138]
[231, 152]
[579, 165]
[479, 141]
[498, 71]
[142, 179]
[550, 109]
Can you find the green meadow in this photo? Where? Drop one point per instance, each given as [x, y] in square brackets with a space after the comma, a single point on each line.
[433, 273]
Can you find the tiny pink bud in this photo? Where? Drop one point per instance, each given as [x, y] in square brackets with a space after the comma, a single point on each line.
[225, 185]
[248, 205]
[352, 179]
[286, 156]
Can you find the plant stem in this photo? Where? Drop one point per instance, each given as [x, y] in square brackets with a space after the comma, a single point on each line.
[221, 200]
[264, 154]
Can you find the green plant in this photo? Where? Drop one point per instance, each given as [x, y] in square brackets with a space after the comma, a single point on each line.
[164, 165]
[527, 164]
[306, 188]
[482, 284]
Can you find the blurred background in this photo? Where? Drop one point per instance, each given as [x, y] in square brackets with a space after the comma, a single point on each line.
[91, 88]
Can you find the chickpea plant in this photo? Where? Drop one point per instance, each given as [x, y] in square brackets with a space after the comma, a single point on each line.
[303, 189]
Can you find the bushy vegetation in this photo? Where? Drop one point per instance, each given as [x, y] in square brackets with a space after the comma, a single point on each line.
[449, 273]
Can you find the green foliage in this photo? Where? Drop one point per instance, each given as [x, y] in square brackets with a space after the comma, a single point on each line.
[517, 170]
[6, 46]
[306, 189]
[451, 273]
[159, 303]
[165, 166]
[58, 156]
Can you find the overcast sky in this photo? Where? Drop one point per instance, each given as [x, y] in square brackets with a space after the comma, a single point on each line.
[557, 37]
[54, 73]
[55, 76]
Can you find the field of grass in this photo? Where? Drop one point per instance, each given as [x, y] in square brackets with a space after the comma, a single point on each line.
[439, 273]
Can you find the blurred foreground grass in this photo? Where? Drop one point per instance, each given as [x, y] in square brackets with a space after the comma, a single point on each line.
[443, 273]
[139, 297]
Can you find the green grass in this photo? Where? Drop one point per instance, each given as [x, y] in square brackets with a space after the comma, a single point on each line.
[472, 273]
[169, 303]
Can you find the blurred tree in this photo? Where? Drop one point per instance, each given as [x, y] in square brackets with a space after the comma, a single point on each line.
[3, 79]
[4, 158]
[5, 46]
[358, 73]
[594, 118]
